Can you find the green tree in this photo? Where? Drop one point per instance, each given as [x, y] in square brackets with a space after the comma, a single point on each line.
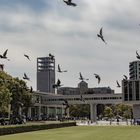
[79, 111]
[4, 100]
[109, 113]
[20, 93]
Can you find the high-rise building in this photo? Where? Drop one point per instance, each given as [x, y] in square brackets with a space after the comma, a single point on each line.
[134, 70]
[131, 88]
[46, 74]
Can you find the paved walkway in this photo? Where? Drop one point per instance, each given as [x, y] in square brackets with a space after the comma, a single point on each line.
[102, 123]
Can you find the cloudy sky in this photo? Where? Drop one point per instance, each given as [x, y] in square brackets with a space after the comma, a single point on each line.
[40, 27]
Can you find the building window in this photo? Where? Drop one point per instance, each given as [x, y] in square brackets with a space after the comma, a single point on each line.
[130, 91]
[137, 90]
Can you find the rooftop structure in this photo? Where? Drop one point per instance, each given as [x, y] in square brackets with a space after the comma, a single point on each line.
[83, 89]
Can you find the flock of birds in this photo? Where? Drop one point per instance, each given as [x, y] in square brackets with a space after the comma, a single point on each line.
[25, 77]
[58, 83]
[100, 35]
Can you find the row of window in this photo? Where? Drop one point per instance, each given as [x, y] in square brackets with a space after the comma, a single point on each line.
[79, 99]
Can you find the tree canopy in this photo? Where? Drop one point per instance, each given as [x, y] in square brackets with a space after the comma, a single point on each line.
[15, 92]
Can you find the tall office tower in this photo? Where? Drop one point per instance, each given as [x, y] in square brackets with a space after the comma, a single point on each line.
[134, 70]
[46, 74]
[1, 67]
[131, 88]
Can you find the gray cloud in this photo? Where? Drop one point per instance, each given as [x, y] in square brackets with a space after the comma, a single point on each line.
[70, 33]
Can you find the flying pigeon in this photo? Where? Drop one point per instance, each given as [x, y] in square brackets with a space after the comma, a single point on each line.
[125, 77]
[58, 84]
[100, 35]
[138, 56]
[59, 69]
[118, 85]
[98, 77]
[27, 56]
[69, 2]
[26, 77]
[4, 55]
[81, 77]
[51, 56]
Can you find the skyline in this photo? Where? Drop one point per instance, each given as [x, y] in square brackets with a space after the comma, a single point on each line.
[37, 28]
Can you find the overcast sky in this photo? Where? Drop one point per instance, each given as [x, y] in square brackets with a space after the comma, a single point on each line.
[40, 27]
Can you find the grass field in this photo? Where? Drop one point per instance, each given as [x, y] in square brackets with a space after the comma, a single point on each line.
[81, 133]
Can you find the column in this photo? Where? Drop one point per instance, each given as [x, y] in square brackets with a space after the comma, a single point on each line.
[93, 112]
[62, 111]
[136, 111]
[56, 113]
[39, 112]
[29, 112]
[68, 112]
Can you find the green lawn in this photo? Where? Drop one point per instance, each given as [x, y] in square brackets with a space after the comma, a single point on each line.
[81, 133]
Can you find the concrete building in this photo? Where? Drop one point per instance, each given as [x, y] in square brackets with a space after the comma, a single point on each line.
[45, 74]
[82, 88]
[131, 88]
[53, 104]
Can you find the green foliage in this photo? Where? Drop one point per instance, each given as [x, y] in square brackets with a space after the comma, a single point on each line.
[15, 92]
[109, 112]
[124, 111]
[119, 110]
[4, 99]
[27, 128]
[79, 110]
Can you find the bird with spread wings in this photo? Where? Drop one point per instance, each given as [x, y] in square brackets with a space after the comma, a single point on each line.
[70, 3]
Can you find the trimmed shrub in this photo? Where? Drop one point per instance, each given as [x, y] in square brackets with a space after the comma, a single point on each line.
[27, 128]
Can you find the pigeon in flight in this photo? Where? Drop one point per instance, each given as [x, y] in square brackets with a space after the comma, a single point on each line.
[59, 69]
[125, 77]
[138, 56]
[27, 56]
[118, 85]
[81, 77]
[4, 55]
[51, 56]
[98, 77]
[100, 35]
[26, 77]
[58, 84]
[70, 3]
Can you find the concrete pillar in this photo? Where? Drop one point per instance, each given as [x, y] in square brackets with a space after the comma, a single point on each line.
[134, 91]
[39, 112]
[29, 112]
[62, 111]
[136, 111]
[93, 112]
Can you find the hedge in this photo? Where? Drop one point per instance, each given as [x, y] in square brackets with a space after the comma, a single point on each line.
[27, 128]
